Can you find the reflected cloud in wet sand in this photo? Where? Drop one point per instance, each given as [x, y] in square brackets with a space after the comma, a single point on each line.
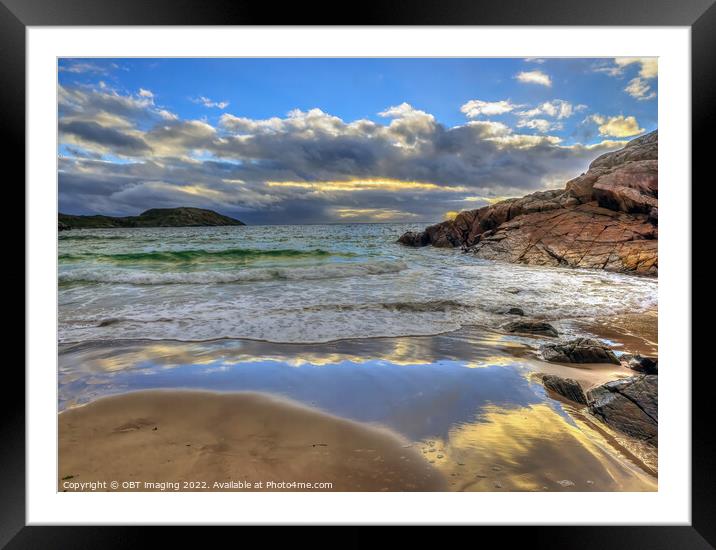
[472, 401]
[532, 449]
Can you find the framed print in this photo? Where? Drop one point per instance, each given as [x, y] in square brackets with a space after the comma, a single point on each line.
[400, 270]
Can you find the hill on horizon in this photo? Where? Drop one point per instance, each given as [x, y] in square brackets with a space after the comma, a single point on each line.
[184, 216]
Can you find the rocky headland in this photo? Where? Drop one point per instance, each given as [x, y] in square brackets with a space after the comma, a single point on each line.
[155, 217]
[606, 218]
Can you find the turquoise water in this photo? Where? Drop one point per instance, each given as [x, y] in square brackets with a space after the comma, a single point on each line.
[313, 283]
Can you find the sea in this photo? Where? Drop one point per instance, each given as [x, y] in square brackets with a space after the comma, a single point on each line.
[307, 284]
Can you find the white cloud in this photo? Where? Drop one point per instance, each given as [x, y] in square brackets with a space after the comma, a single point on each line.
[640, 89]
[539, 124]
[489, 129]
[477, 107]
[403, 110]
[558, 108]
[167, 115]
[145, 93]
[649, 66]
[526, 141]
[505, 138]
[616, 126]
[534, 77]
[409, 128]
[210, 103]
[80, 67]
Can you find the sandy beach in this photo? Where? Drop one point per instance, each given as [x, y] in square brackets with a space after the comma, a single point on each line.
[188, 440]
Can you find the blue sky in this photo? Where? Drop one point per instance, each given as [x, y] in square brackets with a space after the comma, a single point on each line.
[311, 140]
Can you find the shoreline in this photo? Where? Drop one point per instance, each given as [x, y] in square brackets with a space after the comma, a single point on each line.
[596, 326]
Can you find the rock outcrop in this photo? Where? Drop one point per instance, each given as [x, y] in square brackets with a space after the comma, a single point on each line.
[629, 405]
[566, 387]
[579, 350]
[532, 327]
[155, 217]
[606, 218]
[645, 365]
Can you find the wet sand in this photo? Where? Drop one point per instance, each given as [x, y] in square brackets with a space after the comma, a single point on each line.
[633, 333]
[197, 439]
[462, 411]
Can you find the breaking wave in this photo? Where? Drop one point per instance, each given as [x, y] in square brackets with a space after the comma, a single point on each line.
[328, 271]
[187, 256]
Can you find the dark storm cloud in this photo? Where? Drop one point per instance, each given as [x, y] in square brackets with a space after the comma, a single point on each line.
[116, 140]
[309, 166]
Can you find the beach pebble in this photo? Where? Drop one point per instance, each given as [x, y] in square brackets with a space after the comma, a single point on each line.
[566, 483]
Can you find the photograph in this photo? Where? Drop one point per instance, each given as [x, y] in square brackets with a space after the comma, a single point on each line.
[357, 274]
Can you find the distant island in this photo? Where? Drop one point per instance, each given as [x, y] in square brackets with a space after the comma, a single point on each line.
[155, 217]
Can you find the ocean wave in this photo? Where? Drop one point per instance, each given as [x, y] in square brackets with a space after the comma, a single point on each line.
[199, 255]
[429, 306]
[328, 271]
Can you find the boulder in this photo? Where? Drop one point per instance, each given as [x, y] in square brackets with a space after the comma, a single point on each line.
[629, 405]
[633, 187]
[412, 238]
[579, 350]
[532, 327]
[645, 365]
[654, 215]
[566, 387]
[645, 147]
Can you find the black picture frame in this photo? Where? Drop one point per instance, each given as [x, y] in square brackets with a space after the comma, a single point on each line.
[699, 15]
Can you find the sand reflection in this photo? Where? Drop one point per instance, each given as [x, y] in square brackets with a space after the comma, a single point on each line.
[532, 448]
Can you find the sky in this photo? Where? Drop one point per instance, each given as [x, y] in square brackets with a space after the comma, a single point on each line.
[274, 141]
